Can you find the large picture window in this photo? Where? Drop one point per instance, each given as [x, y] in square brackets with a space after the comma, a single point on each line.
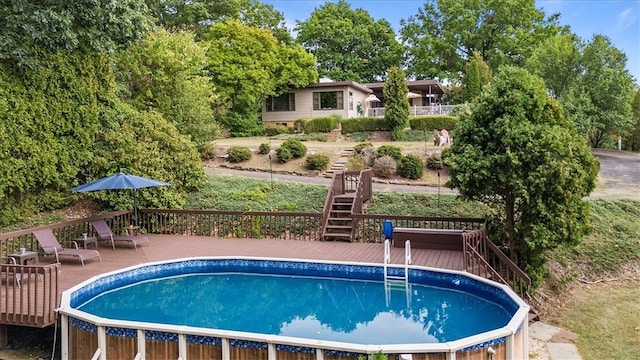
[284, 102]
[326, 100]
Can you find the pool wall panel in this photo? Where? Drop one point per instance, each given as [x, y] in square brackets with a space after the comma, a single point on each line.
[119, 347]
[161, 350]
[84, 343]
[204, 352]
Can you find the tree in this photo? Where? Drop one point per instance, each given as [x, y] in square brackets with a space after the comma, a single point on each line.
[199, 15]
[31, 27]
[476, 75]
[445, 33]
[348, 44]
[558, 62]
[632, 142]
[246, 65]
[516, 151]
[396, 105]
[600, 102]
[165, 71]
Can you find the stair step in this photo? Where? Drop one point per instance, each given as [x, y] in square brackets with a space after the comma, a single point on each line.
[338, 227]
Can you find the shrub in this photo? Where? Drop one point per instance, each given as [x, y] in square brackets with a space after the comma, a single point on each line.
[321, 124]
[355, 163]
[384, 167]
[389, 150]
[433, 122]
[299, 125]
[280, 129]
[283, 154]
[238, 154]
[358, 148]
[317, 162]
[435, 162]
[354, 125]
[296, 147]
[368, 154]
[411, 167]
[207, 151]
[264, 148]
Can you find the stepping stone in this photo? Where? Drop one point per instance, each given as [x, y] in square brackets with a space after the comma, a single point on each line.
[563, 351]
[541, 331]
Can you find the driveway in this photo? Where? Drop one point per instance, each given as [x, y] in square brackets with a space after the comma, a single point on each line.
[619, 177]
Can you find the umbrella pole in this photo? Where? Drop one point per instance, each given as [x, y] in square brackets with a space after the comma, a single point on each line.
[135, 207]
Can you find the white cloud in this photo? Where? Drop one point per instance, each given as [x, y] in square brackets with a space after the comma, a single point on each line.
[625, 19]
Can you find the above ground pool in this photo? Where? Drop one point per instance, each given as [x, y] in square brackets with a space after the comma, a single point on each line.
[243, 306]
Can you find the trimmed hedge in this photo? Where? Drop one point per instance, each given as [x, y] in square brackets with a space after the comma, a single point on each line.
[361, 124]
[283, 154]
[296, 147]
[433, 122]
[389, 150]
[321, 124]
[264, 148]
[411, 167]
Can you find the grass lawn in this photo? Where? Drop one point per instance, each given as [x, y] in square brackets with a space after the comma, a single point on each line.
[606, 316]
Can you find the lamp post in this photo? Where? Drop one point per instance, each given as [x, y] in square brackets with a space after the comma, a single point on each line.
[270, 165]
[438, 189]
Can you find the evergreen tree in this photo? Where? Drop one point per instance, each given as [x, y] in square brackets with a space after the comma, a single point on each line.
[396, 105]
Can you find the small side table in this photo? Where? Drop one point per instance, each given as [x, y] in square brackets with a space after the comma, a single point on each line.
[132, 230]
[84, 242]
[22, 258]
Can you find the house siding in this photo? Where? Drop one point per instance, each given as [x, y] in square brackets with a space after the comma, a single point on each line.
[304, 106]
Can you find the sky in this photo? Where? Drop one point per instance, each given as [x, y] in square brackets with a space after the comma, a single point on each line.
[619, 20]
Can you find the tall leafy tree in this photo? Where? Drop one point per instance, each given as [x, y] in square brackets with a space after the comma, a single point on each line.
[558, 61]
[30, 27]
[517, 152]
[396, 104]
[165, 71]
[445, 33]
[349, 44]
[476, 75]
[600, 102]
[199, 15]
[243, 63]
[632, 142]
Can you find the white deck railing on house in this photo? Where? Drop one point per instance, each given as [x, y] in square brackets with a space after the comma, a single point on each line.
[418, 110]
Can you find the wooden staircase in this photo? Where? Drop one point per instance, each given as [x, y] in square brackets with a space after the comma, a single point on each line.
[339, 224]
[347, 193]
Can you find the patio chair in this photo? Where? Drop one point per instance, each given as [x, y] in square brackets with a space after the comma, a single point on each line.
[51, 246]
[104, 233]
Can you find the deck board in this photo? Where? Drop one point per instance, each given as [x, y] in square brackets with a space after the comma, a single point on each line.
[167, 247]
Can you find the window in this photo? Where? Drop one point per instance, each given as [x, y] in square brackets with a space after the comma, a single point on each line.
[284, 102]
[350, 100]
[328, 100]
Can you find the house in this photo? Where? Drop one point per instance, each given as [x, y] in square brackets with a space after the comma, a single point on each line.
[348, 99]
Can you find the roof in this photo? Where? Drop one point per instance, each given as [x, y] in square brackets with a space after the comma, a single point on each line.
[427, 86]
[352, 84]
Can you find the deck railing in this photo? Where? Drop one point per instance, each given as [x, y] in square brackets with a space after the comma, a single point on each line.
[370, 226]
[420, 110]
[30, 294]
[482, 257]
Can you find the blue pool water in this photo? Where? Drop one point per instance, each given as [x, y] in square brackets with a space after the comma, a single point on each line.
[335, 309]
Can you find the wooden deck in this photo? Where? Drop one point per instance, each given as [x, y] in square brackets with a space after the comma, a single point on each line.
[166, 247]
[17, 309]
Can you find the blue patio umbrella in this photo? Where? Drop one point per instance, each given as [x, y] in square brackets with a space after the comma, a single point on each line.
[122, 181]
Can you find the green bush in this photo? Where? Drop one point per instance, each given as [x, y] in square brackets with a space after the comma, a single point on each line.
[207, 151]
[283, 154]
[280, 129]
[435, 162]
[299, 125]
[264, 148]
[354, 125]
[296, 147]
[389, 150]
[238, 154]
[322, 124]
[355, 163]
[411, 167]
[384, 167]
[317, 162]
[358, 148]
[433, 122]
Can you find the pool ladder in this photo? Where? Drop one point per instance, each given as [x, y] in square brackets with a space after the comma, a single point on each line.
[395, 281]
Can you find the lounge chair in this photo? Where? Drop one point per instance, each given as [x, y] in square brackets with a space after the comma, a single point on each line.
[51, 246]
[104, 233]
